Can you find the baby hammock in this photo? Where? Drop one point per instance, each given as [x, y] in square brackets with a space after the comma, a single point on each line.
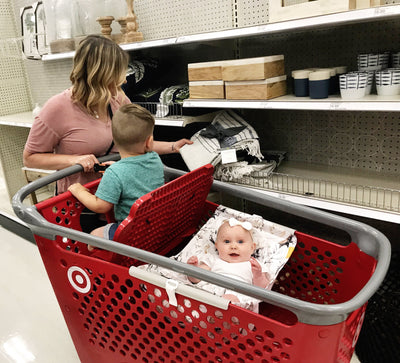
[313, 314]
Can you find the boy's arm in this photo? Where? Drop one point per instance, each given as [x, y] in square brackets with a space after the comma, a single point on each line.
[89, 200]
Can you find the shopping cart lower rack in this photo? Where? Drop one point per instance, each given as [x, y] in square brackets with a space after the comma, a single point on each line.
[314, 313]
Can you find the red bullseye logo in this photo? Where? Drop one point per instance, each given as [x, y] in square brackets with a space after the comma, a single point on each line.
[79, 279]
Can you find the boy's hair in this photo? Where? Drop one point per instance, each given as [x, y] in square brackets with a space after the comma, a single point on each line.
[131, 124]
[98, 63]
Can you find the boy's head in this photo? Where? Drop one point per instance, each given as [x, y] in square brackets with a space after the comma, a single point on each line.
[132, 125]
[235, 241]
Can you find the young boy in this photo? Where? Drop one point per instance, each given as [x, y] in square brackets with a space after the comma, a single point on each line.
[139, 171]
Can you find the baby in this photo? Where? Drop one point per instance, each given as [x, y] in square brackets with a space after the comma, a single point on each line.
[235, 247]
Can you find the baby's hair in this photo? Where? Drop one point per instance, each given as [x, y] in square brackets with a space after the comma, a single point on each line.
[132, 124]
[226, 221]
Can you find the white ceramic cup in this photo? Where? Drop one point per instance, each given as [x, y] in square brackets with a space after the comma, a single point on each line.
[353, 85]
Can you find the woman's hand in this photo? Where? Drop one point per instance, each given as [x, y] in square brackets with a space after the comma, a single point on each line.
[87, 161]
[168, 147]
[178, 144]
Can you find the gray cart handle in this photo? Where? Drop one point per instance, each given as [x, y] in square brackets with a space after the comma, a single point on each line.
[368, 239]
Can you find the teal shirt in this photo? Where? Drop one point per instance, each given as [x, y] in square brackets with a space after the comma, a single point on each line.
[128, 179]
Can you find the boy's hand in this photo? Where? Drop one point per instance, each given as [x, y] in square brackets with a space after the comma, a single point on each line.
[76, 188]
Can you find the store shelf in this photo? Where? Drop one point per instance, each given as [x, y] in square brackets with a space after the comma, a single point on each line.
[24, 119]
[345, 190]
[290, 102]
[324, 21]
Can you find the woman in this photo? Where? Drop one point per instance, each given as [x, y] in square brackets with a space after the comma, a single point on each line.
[74, 127]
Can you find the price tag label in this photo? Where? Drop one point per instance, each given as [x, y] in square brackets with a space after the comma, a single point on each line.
[228, 156]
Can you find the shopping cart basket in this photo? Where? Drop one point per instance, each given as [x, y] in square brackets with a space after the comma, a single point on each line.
[118, 314]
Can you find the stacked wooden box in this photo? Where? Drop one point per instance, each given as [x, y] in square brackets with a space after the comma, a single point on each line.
[295, 9]
[258, 78]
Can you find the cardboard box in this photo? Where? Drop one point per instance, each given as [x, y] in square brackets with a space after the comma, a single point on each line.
[278, 12]
[256, 90]
[205, 71]
[249, 69]
[377, 2]
[207, 89]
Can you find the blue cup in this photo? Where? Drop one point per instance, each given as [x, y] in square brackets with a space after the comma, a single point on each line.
[300, 82]
[319, 84]
[334, 80]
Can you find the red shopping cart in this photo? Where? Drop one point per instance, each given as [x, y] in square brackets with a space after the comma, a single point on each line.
[119, 314]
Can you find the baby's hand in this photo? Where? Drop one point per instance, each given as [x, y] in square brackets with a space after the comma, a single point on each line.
[255, 266]
[260, 278]
[193, 261]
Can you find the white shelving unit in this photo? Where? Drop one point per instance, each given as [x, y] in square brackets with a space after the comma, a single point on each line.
[338, 19]
[25, 119]
[290, 102]
[373, 104]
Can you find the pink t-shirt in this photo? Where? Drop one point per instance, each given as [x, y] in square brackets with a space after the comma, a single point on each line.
[63, 127]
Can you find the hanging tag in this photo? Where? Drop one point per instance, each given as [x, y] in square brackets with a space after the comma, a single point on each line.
[228, 156]
[170, 287]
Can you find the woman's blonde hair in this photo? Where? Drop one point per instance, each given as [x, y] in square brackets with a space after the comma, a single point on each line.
[98, 64]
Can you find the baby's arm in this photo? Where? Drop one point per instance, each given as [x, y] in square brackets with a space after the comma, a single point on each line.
[260, 279]
[195, 262]
[88, 199]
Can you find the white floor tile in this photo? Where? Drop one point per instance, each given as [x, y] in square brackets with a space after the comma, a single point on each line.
[32, 327]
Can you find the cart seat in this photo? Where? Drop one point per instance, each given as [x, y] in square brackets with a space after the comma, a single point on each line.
[160, 220]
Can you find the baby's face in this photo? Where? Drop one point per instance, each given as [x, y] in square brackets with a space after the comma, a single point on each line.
[234, 244]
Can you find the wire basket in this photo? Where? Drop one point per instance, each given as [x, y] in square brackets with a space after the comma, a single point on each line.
[366, 196]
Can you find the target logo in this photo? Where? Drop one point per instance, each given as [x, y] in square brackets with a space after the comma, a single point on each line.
[79, 279]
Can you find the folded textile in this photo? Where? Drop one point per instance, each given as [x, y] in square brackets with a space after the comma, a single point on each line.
[171, 95]
[207, 150]
[236, 171]
[274, 245]
[274, 155]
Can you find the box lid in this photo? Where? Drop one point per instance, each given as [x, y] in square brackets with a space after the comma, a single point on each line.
[206, 83]
[247, 61]
[262, 81]
[205, 64]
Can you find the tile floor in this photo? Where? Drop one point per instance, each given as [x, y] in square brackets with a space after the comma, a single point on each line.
[32, 328]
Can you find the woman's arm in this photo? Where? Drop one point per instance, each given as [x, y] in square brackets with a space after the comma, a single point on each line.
[53, 161]
[168, 147]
